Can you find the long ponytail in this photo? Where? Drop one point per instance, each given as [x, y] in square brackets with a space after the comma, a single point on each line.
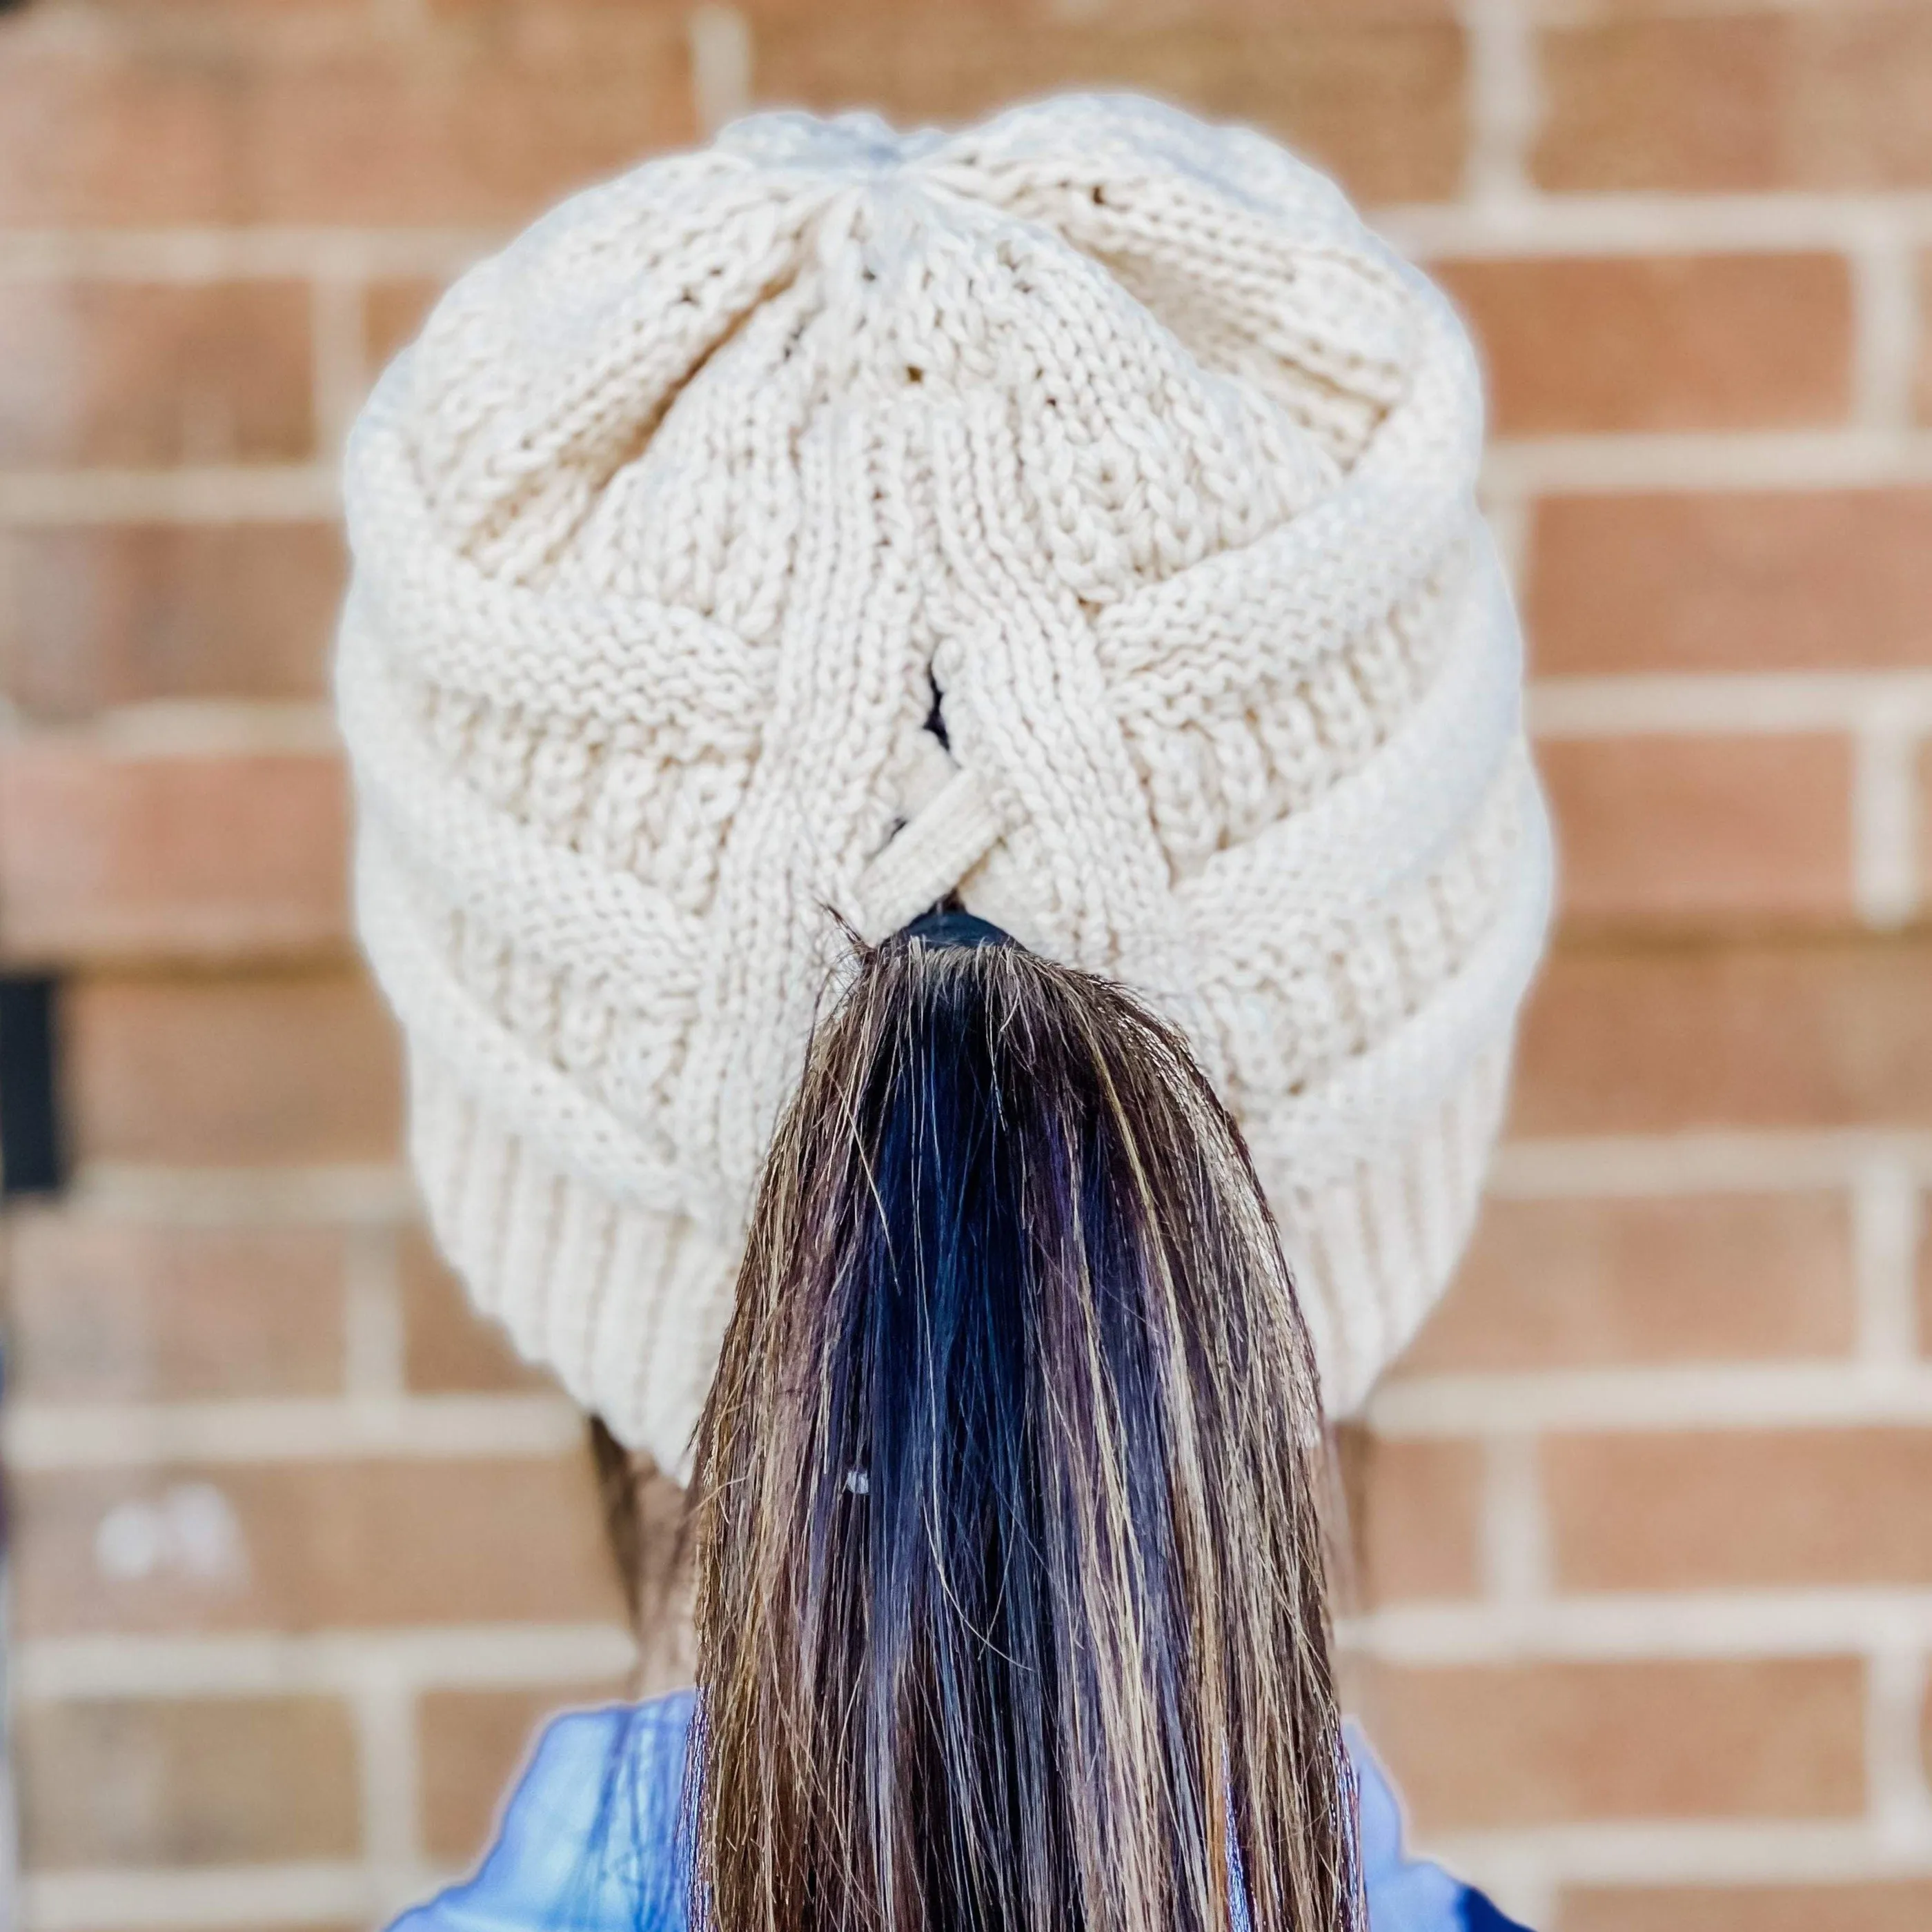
[1010, 1593]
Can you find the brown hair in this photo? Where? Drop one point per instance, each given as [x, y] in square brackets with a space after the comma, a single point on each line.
[1011, 1607]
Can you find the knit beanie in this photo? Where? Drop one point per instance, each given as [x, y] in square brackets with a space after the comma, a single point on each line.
[1075, 514]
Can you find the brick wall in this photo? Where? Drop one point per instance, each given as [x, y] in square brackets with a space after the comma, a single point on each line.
[1646, 1518]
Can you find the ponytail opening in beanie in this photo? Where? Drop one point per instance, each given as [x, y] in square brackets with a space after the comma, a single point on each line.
[1009, 1558]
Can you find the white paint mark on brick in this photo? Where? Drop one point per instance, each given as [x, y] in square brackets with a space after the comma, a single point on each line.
[189, 1533]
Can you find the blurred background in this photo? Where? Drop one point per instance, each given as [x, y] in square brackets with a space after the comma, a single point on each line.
[298, 1557]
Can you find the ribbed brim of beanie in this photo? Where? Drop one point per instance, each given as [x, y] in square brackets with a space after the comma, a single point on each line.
[1120, 434]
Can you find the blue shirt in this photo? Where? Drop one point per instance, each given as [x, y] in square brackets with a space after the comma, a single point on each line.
[562, 1862]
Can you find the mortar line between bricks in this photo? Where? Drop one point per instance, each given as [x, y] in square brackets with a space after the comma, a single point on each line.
[1645, 1166]
[123, 1900]
[1684, 463]
[1528, 223]
[1885, 1227]
[385, 1716]
[238, 493]
[1627, 1626]
[1900, 1808]
[722, 53]
[382, 1195]
[1778, 222]
[1850, 456]
[481, 1657]
[1847, 1394]
[337, 376]
[209, 254]
[1668, 1851]
[197, 728]
[1503, 99]
[1884, 323]
[1885, 818]
[1520, 1884]
[88, 1435]
[1606, 1166]
[1875, 704]
[374, 1346]
[1514, 1535]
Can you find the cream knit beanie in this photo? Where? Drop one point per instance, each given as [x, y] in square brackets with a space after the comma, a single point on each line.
[1121, 434]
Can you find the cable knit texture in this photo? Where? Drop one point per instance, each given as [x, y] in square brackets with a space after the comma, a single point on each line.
[1121, 434]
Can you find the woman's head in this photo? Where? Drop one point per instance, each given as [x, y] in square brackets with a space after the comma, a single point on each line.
[1010, 1595]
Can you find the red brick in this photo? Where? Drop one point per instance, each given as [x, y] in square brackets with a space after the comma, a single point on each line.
[471, 1744]
[131, 373]
[1663, 342]
[1860, 77]
[97, 137]
[1665, 104]
[1819, 1035]
[1830, 97]
[447, 1345]
[128, 1311]
[1486, 1745]
[158, 126]
[1678, 831]
[308, 1545]
[104, 855]
[1903, 1905]
[107, 615]
[1731, 581]
[187, 1781]
[230, 1071]
[1741, 1508]
[1381, 104]
[395, 309]
[472, 134]
[1415, 1511]
[1585, 1284]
